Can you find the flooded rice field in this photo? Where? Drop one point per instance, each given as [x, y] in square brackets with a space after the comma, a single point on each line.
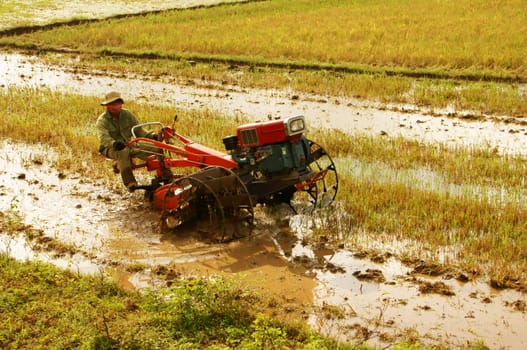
[347, 294]
[503, 133]
[88, 228]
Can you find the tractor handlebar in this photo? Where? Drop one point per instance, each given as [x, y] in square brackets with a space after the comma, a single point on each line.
[144, 124]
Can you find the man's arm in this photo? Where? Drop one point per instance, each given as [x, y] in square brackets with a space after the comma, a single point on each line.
[103, 133]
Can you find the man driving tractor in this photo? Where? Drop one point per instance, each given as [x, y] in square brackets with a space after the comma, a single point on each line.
[114, 129]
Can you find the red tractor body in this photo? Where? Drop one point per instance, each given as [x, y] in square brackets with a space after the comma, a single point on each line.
[270, 132]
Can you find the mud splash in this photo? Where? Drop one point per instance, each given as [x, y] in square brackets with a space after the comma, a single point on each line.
[350, 115]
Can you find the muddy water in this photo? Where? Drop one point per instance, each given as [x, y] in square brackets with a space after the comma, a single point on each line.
[112, 232]
[107, 229]
[475, 312]
[383, 300]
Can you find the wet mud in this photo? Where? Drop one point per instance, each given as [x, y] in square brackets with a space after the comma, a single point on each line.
[345, 294]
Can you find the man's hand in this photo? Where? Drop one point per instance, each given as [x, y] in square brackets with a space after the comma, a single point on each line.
[118, 146]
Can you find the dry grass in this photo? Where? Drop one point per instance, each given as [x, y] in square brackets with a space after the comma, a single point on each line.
[67, 122]
[472, 36]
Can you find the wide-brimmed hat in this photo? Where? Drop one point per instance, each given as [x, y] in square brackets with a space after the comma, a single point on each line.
[110, 97]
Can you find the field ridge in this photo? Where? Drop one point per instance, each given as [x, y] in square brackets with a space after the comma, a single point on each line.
[286, 65]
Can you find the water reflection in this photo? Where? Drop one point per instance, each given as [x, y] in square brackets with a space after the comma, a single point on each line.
[378, 298]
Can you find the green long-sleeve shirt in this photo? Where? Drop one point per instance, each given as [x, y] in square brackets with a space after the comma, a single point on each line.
[110, 129]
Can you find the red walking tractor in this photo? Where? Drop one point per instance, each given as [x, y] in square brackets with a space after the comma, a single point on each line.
[265, 163]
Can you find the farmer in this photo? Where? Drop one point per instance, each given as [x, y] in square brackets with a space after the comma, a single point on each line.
[114, 129]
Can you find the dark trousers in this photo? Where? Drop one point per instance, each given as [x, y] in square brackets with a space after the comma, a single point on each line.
[124, 159]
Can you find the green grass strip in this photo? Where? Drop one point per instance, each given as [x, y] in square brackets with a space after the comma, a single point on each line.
[44, 308]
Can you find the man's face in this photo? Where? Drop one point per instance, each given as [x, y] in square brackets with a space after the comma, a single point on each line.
[115, 107]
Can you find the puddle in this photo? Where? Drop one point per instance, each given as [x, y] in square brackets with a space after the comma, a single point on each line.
[61, 205]
[380, 301]
[380, 312]
[19, 248]
[348, 115]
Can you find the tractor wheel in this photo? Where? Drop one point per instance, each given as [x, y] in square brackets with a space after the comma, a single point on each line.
[218, 201]
[321, 191]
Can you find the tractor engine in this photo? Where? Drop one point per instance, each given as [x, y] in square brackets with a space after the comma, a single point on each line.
[272, 156]
[272, 147]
